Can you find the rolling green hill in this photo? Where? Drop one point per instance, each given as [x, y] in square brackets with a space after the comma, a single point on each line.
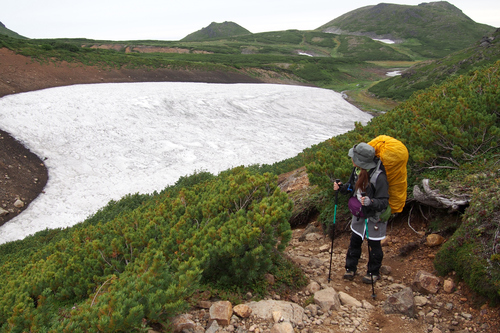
[217, 30]
[425, 74]
[431, 30]
[8, 32]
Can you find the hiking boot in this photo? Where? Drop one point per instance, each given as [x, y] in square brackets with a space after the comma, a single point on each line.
[368, 278]
[349, 275]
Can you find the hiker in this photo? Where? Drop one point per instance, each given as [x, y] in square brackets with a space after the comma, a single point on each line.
[368, 176]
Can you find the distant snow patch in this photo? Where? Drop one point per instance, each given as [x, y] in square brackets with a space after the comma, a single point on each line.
[306, 54]
[393, 73]
[386, 41]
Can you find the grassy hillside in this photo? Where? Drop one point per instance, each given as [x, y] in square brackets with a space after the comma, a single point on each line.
[425, 74]
[217, 30]
[431, 30]
[8, 32]
[257, 55]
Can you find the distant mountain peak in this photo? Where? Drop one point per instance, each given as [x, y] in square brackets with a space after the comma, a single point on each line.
[438, 25]
[217, 30]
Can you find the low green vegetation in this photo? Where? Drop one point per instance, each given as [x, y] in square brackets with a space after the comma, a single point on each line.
[142, 257]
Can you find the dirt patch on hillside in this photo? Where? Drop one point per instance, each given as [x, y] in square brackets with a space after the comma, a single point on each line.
[20, 74]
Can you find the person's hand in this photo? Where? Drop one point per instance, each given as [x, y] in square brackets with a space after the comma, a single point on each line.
[336, 186]
[366, 201]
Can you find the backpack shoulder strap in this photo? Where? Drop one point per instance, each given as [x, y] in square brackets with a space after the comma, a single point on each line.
[376, 172]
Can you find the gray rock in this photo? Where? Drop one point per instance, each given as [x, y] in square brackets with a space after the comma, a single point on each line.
[401, 302]
[348, 300]
[291, 312]
[327, 299]
[425, 283]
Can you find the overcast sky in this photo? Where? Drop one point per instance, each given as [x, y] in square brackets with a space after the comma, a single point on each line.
[173, 19]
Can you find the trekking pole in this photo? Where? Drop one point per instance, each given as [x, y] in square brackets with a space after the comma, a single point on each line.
[363, 194]
[333, 228]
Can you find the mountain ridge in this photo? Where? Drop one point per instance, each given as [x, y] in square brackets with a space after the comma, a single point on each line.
[434, 25]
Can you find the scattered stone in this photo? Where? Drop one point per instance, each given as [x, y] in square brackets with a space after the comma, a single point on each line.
[313, 287]
[3, 212]
[425, 283]
[221, 312]
[269, 278]
[183, 321]
[19, 203]
[311, 228]
[401, 302]
[284, 327]
[324, 248]
[348, 300]
[213, 327]
[434, 240]
[242, 310]
[420, 301]
[327, 299]
[204, 304]
[448, 286]
[291, 312]
[386, 270]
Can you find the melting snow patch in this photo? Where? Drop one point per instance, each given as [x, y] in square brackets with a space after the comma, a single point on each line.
[393, 73]
[103, 141]
[386, 41]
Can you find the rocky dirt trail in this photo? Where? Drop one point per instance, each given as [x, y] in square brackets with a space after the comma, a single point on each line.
[359, 310]
[408, 249]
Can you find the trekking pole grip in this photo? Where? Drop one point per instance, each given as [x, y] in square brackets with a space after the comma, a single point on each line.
[337, 192]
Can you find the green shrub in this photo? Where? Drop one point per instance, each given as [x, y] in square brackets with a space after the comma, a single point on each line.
[143, 256]
[472, 251]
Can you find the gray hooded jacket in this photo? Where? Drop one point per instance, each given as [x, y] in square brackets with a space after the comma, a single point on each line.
[378, 192]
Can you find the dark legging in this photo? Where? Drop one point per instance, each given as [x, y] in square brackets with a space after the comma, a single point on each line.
[354, 253]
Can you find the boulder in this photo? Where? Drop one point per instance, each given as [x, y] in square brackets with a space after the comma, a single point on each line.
[425, 283]
[183, 321]
[313, 287]
[401, 302]
[291, 312]
[242, 310]
[327, 299]
[448, 286]
[434, 240]
[221, 312]
[348, 300]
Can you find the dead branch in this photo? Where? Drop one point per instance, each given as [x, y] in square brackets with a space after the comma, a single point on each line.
[434, 199]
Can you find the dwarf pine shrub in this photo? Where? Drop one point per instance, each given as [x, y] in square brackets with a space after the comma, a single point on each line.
[143, 263]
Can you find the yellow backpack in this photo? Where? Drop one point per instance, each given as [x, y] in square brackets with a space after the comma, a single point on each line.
[394, 156]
